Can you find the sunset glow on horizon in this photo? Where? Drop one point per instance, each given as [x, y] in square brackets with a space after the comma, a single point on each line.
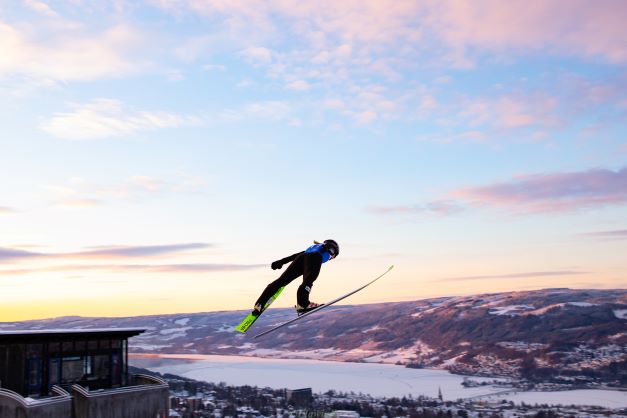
[158, 155]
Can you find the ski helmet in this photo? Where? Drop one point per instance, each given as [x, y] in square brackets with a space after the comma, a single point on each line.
[332, 247]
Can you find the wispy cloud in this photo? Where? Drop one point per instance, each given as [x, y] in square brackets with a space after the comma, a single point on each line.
[41, 7]
[300, 85]
[5, 210]
[79, 193]
[511, 111]
[68, 51]
[16, 254]
[271, 110]
[130, 251]
[579, 28]
[338, 48]
[440, 207]
[257, 55]
[108, 252]
[557, 192]
[105, 118]
[610, 235]
[189, 268]
[532, 193]
[587, 30]
[525, 275]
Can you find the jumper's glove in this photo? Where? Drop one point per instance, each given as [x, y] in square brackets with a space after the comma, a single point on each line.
[276, 265]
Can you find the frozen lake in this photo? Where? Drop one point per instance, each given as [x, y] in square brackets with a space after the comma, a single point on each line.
[375, 379]
[606, 398]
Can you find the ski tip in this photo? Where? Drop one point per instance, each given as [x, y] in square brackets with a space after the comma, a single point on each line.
[391, 267]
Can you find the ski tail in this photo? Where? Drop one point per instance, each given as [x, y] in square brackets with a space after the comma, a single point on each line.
[250, 319]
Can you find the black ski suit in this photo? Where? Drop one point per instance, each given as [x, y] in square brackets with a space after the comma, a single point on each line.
[303, 264]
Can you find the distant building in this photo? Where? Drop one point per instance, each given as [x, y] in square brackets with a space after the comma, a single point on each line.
[344, 414]
[299, 397]
[75, 374]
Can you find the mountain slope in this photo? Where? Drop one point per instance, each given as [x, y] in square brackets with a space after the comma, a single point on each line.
[551, 333]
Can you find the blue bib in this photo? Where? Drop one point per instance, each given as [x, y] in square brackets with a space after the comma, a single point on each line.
[320, 249]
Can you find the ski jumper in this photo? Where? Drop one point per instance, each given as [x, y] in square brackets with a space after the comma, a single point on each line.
[307, 264]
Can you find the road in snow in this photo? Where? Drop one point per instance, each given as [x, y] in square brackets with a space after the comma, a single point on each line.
[376, 379]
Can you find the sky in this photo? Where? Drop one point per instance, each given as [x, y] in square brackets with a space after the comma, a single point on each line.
[157, 155]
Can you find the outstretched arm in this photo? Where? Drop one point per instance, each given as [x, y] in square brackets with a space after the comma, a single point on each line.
[279, 263]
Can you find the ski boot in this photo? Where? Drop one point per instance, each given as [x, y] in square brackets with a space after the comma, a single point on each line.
[257, 310]
[301, 310]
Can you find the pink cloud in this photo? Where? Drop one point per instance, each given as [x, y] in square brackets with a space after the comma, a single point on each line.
[563, 27]
[533, 193]
[69, 52]
[133, 268]
[526, 275]
[552, 192]
[114, 252]
[616, 234]
[512, 111]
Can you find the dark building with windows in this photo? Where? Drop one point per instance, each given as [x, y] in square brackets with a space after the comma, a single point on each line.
[75, 373]
[300, 398]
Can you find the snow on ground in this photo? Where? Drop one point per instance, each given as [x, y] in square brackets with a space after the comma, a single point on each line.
[511, 310]
[401, 355]
[226, 328]
[247, 346]
[182, 322]
[169, 331]
[173, 333]
[591, 397]
[373, 328]
[620, 313]
[521, 345]
[543, 310]
[489, 301]
[148, 347]
[266, 352]
[452, 361]
[581, 304]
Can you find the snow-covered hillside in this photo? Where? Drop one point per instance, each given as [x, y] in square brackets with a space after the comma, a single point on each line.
[552, 332]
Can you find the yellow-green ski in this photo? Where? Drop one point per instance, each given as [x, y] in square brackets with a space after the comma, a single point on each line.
[250, 319]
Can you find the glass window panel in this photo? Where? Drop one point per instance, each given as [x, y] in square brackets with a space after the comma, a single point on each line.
[34, 350]
[72, 370]
[88, 365]
[80, 345]
[92, 345]
[101, 367]
[68, 345]
[54, 371]
[116, 369]
[34, 376]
